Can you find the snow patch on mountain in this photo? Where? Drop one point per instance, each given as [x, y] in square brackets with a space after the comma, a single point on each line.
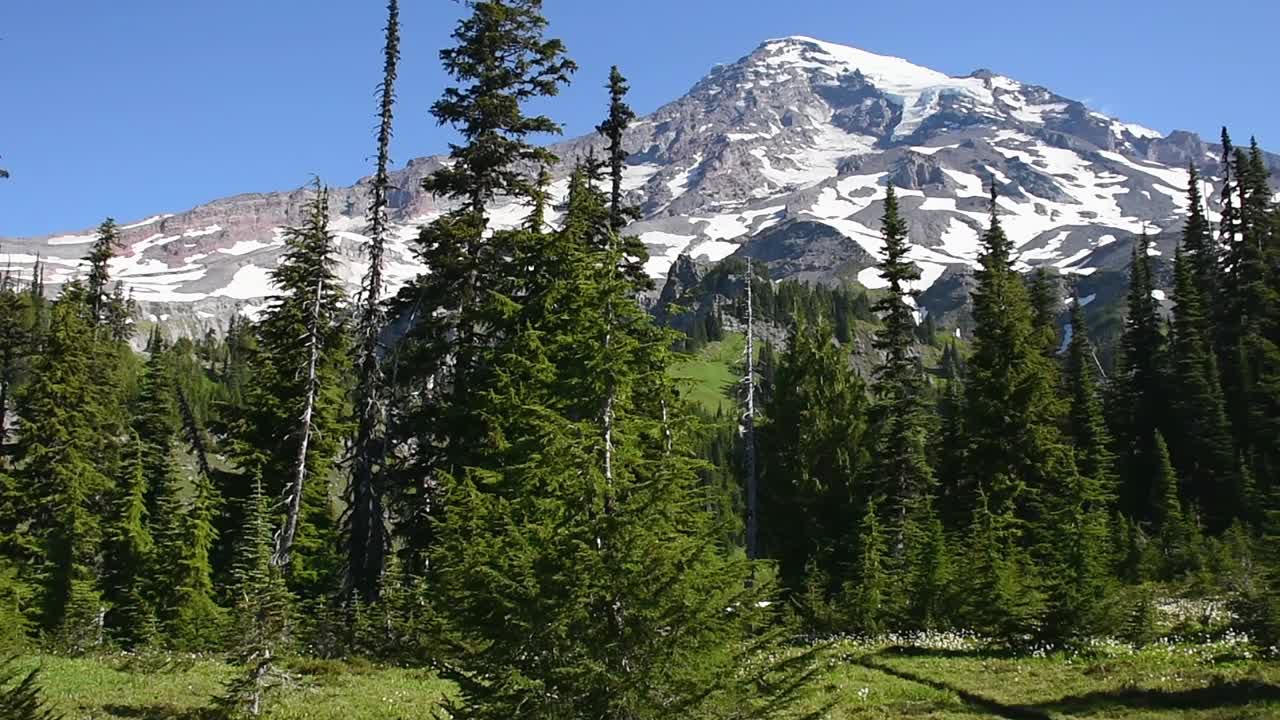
[916, 89]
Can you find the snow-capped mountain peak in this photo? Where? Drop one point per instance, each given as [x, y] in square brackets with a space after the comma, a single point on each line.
[915, 89]
[782, 155]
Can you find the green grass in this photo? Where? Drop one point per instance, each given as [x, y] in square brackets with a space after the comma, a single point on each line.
[945, 680]
[113, 687]
[708, 376]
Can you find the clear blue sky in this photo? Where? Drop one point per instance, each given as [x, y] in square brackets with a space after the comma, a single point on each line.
[134, 107]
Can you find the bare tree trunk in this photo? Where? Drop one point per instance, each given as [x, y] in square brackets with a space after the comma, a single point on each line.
[293, 495]
[749, 431]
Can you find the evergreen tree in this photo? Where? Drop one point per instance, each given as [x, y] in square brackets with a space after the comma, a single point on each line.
[999, 597]
[1078, 583]
[1173, 529]
[365, 532]
[931, 572]
[614, 128]
[196, 620]
[1086, 425]
[1199, 246]
[100, 253]
[500, 62]
[592, 547]
[59, 458]
[1202, 434]
[1017, 461]
[814, 444]
[262, 614]
[901, 466]
[130, 559]
[17, 336]
[1043, 294]
[1251, 338]
[1013, 414]
[867, 590]
[289, 431]
[1139, 398]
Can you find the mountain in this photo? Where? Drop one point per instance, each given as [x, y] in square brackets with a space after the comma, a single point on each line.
[783, 156]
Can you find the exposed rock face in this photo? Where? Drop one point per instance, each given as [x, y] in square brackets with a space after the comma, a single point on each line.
[782, 155]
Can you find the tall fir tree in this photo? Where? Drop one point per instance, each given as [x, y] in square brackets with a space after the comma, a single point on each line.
[104, 247]
[1138, 398]
[1018, 463]
[1251, 343]
[1202, 436]
[129, 549]
[901, 469]
[500, 62]
[289, 431]
[1203, 251]
[814, 448]
[365, 532]
[60, 456]
[614, 129]
[599, 560]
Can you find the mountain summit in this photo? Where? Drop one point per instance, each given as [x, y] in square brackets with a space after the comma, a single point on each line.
[782, 155]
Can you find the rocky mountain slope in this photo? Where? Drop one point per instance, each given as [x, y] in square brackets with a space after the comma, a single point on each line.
[782, 155]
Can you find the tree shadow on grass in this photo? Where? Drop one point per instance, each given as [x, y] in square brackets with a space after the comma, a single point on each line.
[974, 700]
[1220, 694]
[161, 711]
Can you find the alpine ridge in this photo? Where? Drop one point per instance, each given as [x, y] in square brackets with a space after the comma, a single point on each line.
[782, 155]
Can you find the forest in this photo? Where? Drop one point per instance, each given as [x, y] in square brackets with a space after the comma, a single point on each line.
[498, 485]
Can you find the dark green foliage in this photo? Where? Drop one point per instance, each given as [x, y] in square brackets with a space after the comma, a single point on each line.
[901, 475]
[195, 620]
[1249, 337]
[999, 593]
[1086, 424]
[60, 458]
[1015, 451]
[1078, 585]
[21, 697]
[568, 530]
[866, 593]
[1045, 304]
[1174, 529]
[15, 597]
[581, 520]
[500, 62]
[813, 445]
[1138, 397]
[364, 530]
[620, 117]
[1202, 434]
[261, 612]
[927, 593]
[295, 399]
[100, 253]
[18, 335]
[1020, 469]
[130, 548]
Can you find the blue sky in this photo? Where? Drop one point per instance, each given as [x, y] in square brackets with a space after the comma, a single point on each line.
[134, 107]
